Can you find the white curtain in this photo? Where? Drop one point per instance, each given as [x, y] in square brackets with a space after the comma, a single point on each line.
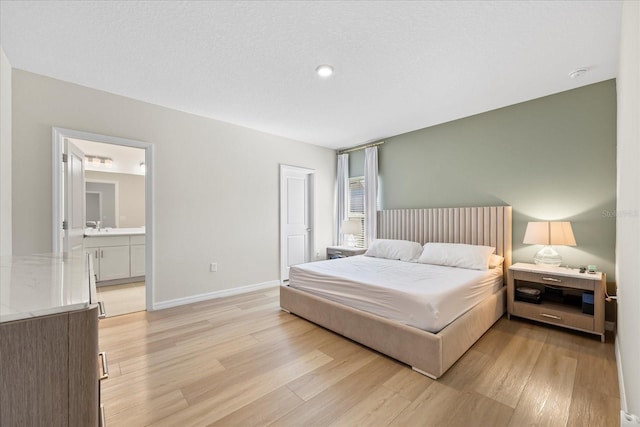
[370, 193]
[342, 196]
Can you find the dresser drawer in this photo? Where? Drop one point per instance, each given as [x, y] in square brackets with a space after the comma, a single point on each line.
[554, 280]
[548, 314]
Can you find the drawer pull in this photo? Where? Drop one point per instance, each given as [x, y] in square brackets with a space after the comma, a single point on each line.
[103, 420]
[105, 365]
[551, 316]
[101, 311]
[552, 279]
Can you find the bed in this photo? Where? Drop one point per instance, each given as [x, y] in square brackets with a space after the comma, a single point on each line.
[430, 352]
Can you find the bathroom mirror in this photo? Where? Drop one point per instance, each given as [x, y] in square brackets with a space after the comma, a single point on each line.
[101, 203]
[94, 206]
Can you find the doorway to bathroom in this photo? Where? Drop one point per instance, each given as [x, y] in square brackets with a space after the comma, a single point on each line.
[116, 203]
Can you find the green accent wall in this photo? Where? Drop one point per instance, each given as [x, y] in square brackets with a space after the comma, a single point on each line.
[551, 158]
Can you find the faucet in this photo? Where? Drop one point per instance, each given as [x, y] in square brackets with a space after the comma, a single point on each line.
[98, 225]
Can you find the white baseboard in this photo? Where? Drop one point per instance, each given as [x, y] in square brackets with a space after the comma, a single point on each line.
[623, 397]
[212, 295]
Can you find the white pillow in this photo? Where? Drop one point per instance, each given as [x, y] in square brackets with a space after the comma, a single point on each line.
[495, 261]
[473, 257]
[403, 250]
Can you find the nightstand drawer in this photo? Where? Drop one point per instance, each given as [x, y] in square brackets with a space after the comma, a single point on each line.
[554, 280]
[547, 314]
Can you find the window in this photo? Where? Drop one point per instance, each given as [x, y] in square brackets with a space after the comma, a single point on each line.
[355, 206]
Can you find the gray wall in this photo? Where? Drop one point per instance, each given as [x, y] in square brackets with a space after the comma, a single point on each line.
[628, 213]
[216, 185]
[552, 158]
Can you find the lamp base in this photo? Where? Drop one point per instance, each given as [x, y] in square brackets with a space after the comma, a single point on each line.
[351, 241]
[548, 256]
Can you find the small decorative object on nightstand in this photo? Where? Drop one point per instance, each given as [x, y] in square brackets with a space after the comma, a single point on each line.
[334, 252]
[568, 298]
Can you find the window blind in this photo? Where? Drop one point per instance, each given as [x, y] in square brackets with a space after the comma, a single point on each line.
[356, 206]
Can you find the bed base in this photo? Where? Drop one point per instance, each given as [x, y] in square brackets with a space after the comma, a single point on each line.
[427, 353]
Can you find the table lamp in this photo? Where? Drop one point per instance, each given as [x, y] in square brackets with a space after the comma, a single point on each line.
[549, 233]
[349, 228]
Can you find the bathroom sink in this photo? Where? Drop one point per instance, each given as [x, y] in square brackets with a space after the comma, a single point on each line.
[92, 232]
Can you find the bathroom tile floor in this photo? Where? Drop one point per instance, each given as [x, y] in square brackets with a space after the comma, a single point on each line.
[122, 299]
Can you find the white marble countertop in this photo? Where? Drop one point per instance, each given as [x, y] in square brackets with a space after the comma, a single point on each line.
[42, 284]
[106, 232]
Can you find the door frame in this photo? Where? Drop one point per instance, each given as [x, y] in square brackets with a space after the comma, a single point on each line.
[58, 135]
[311, 194]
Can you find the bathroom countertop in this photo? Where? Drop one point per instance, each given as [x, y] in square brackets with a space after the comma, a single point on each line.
[106, 232]
[42, 284]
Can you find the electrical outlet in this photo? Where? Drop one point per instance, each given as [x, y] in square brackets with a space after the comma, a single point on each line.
[213, 267]
[318, 255]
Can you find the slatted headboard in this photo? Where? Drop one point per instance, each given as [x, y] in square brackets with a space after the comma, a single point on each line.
[489, 226]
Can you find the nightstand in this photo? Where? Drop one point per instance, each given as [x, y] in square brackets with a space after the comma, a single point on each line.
[334, 252]
[563, 291]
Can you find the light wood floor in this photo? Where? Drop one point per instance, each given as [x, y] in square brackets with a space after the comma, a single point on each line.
[122, 299]
[240, 361]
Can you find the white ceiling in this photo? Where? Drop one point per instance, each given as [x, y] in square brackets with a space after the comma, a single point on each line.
[399, 66]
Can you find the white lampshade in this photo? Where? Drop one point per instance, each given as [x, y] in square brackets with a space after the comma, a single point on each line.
[549, 233]
[351, 226]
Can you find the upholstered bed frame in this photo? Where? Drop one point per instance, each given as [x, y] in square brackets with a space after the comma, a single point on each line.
[428, 353]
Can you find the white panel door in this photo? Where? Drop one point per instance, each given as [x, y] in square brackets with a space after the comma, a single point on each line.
[74, 199]
[296, 217]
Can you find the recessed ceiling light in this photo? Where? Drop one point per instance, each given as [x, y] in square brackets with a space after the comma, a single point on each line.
[578, 73]
[324, 70]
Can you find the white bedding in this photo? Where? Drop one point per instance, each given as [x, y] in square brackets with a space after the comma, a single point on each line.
[425, 296]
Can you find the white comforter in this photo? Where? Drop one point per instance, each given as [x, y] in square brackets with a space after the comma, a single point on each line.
[425, 296]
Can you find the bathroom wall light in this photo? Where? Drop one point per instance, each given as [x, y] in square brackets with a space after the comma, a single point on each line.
[97, 161]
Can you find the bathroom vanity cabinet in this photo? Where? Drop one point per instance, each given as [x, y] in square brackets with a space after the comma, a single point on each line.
[117, 256]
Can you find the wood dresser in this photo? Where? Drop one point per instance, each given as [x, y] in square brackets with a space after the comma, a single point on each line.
[49, 357]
